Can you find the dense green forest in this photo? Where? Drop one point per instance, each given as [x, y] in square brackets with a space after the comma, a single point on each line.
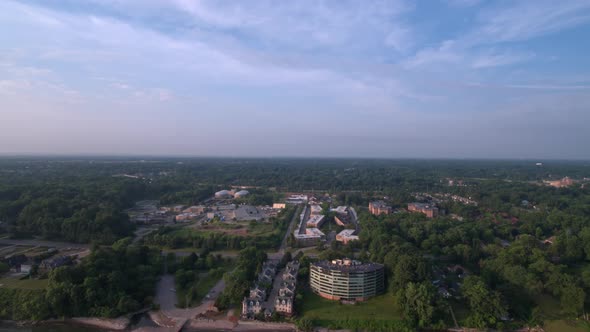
[509, 274]
[110, 282]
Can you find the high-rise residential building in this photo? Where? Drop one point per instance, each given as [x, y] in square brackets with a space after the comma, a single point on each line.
[346, 279]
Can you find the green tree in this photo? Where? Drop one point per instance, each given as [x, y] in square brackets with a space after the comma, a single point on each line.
[417, 302]
[486, 308]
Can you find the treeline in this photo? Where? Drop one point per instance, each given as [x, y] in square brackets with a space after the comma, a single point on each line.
[110, 282]
[78, 211]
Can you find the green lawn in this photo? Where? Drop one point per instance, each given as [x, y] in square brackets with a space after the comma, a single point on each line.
[260, 229]
[554, 320]
[566, 326]
[324, 312]
[23, 284]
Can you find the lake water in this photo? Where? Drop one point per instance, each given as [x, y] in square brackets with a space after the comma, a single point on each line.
[138, 321]
[51, 328]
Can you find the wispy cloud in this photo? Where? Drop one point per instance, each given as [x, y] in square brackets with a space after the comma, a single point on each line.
[529, 19]
[462, 3]
[500, 59]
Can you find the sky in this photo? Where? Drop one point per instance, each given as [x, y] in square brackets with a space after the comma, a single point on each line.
[386, 79]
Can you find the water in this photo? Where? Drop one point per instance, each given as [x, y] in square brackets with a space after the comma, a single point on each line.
[48, 328]
[142, 320]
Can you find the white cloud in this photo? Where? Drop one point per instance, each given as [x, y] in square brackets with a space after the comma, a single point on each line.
[445, 53]
[463, 3]
[529, 19]
[499, 59]
[399, 38]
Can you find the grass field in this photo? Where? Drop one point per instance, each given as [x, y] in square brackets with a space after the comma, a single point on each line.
[240, 229]
[23, 284]
[324, 311]
[566, 326]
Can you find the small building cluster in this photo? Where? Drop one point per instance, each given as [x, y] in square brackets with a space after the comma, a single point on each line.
[253, 305]
[147, 213]
[284, 303]
[428, 209]
[438, 198]
[565, 182]
[296, 199]
[379, 207]
[345, 216]
[260, 302]
[307, 232]
[228, 194]
[22, 260]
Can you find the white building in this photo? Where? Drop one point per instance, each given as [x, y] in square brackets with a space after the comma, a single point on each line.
[223, 194]
[241, 193]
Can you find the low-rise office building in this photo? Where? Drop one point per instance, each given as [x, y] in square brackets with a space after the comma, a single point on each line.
[347, 236]
[346, 279]
[345, 216]
[315, 221]
[379, 207]
[428, 209]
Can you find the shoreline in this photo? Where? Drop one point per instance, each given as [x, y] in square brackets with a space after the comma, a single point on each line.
[110, 324]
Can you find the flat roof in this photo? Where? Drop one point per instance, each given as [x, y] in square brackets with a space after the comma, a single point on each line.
[363, 267]
[424, 206]
[315, 220]
[347, 232]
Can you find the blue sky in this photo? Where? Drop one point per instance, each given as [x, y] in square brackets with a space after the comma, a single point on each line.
[430, 78]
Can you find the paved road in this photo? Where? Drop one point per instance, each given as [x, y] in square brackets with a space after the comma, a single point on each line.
[42, 243]
[274, 292]
[281, 252]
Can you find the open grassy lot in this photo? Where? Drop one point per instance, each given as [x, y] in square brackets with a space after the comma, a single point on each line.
[554, 320]
[238, 228]
[23, 284]
[325, 312]
[566, 326]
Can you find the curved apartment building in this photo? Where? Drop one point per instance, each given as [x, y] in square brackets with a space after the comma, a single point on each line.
[346, 279]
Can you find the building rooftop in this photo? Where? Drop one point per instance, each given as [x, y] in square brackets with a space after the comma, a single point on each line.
[310, 233]
[314, 221]
[423, 206]
[379, 204]
[340, 209]
[348, 233]
[315, 209]
[348, 265]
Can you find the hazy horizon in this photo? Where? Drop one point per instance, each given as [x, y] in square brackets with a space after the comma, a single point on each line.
[445, 79]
